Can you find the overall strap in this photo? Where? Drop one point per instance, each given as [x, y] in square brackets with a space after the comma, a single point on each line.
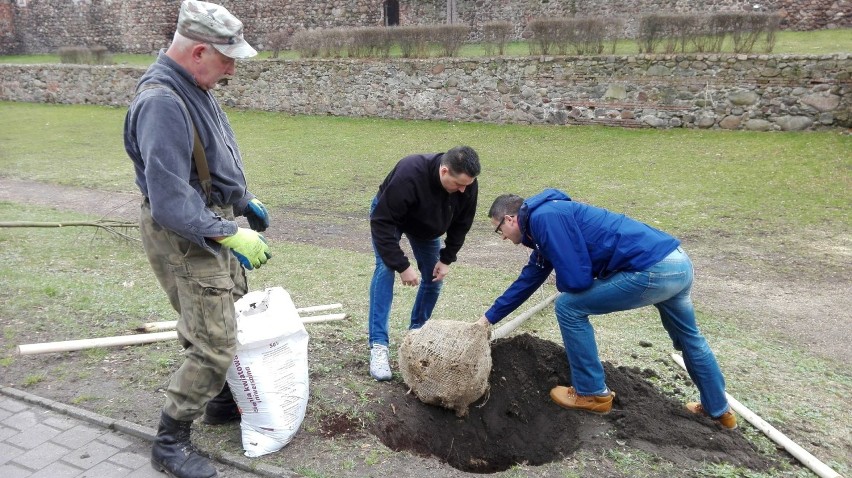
[198, 155]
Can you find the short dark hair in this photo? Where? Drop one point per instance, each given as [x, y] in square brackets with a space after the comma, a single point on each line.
[505, 205]
[462, 159]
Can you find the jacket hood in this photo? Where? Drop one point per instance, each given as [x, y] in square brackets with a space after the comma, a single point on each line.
[533, 203]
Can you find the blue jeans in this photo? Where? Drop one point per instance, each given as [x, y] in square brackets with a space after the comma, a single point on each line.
[665, 285]
[426, 254]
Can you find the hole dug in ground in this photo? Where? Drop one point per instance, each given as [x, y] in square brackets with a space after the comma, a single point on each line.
[516, 422]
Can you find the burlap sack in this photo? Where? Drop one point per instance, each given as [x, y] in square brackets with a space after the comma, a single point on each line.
[447, 363]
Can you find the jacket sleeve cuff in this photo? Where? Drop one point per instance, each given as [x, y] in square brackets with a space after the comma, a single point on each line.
[402, 267]
[242, 204]
[446, 257]
[226, 228]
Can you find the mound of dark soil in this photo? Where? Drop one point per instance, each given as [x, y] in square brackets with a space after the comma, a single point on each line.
[516, 422]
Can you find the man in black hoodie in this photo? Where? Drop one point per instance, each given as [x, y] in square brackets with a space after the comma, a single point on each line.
[423, 197]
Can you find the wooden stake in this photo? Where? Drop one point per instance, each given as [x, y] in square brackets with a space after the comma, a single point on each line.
[323, 318]
[513, 324]
[171, 324]
[155, 326]
[318, 308]
[69, 345]
[72, 345]
[812, 462]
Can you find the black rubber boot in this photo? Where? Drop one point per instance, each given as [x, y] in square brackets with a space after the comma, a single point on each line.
[174, 454]
[221, 409]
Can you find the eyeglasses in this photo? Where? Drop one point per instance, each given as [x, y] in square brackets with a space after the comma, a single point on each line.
[497, 230]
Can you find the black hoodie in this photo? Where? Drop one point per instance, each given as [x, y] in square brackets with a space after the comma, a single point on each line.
[412, 200]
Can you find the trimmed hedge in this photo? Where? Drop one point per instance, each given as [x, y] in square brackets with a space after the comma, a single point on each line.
[96, 55]
[546, 36]
[707, 33]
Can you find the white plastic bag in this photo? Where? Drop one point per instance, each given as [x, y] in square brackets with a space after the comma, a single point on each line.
[269, 374]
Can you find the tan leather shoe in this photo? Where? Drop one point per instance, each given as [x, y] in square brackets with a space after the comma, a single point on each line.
[727, 419]
[566, 397]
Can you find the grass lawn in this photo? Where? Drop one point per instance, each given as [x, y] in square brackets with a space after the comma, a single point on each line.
[676, 179]
[764, 190]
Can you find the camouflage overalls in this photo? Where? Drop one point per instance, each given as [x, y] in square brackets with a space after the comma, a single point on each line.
[202, 287]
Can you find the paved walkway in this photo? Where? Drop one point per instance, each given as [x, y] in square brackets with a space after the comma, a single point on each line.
[43, 438]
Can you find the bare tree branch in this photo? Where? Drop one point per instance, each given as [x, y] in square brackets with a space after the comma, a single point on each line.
[111, 226]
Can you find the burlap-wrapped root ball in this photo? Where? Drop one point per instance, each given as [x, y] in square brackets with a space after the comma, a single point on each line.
[447, 363]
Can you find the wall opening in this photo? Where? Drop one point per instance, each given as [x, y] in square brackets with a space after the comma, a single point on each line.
[391, 13]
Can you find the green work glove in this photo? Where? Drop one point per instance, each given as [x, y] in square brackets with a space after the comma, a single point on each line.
[249, 247]
[257, 215]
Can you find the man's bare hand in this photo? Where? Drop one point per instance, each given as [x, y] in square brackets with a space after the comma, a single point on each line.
[483, 321]
[440, 271]
[410, 277]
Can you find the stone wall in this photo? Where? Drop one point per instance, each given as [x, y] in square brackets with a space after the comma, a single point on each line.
[754, 92]
[43, 26]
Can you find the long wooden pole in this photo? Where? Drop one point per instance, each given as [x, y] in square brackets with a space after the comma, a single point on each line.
[318, 308]
[72, 345]
[812, 462]
[513, 324]
[171, 324]
[314, 319]
[157, 326]
[69, 345]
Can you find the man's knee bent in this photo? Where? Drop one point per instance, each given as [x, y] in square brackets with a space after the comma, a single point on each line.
[566, 312]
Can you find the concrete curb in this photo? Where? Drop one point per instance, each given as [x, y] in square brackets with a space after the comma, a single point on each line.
[237, 461]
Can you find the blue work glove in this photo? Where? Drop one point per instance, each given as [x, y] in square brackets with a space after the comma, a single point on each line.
[249, 247]
[257, 215]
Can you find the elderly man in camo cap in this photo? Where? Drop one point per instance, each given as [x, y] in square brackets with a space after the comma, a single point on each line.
[190, 172]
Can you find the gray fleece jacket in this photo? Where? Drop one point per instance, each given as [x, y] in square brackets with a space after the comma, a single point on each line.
[158, 138]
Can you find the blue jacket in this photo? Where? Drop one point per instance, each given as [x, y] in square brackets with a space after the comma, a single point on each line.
[581, 243]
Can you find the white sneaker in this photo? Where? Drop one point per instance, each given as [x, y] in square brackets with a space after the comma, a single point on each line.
[379, 365]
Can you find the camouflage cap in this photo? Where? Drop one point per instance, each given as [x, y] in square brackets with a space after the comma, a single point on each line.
[214, 24]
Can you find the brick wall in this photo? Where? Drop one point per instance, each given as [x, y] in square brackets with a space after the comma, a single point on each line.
[8, 34]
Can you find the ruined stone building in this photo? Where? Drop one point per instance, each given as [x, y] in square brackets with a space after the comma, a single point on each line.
[43, 26]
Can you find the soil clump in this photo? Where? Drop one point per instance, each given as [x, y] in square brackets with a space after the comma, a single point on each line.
[517, 423]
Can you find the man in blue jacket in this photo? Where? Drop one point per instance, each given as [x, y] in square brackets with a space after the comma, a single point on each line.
[604, 262]
[423, 197]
